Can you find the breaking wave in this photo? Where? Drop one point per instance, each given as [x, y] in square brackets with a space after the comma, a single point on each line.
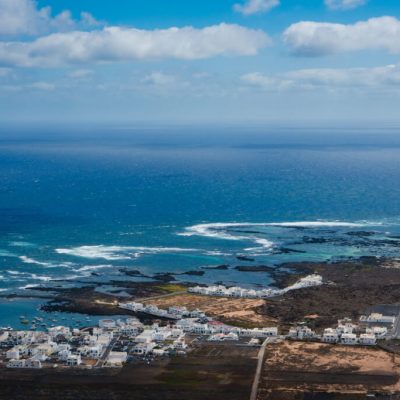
[93, 267]
[226, 231]
[28, 260]
[115, 253]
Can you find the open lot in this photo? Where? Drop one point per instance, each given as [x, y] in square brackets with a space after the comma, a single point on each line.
[293, 370]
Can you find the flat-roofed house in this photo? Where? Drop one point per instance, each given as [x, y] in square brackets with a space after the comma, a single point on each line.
[368, 339]
[349, 339]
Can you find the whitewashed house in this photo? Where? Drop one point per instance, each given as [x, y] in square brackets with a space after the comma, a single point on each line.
[330, 336]
[377, 318]
[145, 337]
[116, 358]
[367, 339]
[13, 354]
[59, 330]
[16, 364]
[301, 332]
[378, 331]
[4, 336]
[74, 360]
[33, 363]
[107, 324]
[161, 335]
[63, 355]
[143, 348]
[348, 339]
[345, 326]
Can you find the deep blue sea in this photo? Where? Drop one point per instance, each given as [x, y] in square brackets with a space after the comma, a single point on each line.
[76, 203]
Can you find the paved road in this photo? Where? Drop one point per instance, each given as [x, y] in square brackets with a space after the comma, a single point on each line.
[261, 353]
[161, 296]
[396, 328]
[107, 352]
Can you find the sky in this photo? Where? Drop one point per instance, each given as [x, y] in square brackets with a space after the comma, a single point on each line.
[191, 61]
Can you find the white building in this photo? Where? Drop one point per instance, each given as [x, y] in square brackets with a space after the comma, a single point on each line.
[117, 359]
[74, 360]
[59, 330]
[378, 331]
[63, 355]
[143, 348]
[301, 333]
[16, 364]
[349, 339]
[330, 336]
[377, 318]
[259, 333]
[4, 336]
[367, 339]
[145, 337]
[221, 337]
[13, 354]
[107, 324]
[345, 326]
[33, 363]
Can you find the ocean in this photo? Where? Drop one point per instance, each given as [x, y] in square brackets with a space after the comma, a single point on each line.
[81, 204]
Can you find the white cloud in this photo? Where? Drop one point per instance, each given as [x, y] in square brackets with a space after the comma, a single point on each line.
[352, 78]
[80, 73]
[42, 86]
[344, 4]
[256, 6]
[23, 17]
[159, 79]
[113, 44]
[318, 38]
[5, 72]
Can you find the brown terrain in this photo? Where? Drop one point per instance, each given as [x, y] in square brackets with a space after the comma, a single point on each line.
[237, 312]
[299, 370]
[292, 371]
[209, 372]
[351, 288]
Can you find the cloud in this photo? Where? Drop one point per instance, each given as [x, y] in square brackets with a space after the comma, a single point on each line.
[159, 79]
[23, 17]
[352, 78]
[112, 44]
[318, 38]
[5, 72]
[42, 86]
[80, 73]
[256, 6]
[344, 4]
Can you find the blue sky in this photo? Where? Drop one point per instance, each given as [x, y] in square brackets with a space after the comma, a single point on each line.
[229, 61]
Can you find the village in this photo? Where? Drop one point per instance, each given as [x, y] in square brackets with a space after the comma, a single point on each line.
[115, 342]
[239, 292]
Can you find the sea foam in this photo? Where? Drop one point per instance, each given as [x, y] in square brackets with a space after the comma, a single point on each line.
[28, 260]
[222, 230]
[115, 253]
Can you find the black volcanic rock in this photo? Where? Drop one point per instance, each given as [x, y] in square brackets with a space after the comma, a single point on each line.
[245, 258]
[218, 267]
[194, 273]
[254, 268]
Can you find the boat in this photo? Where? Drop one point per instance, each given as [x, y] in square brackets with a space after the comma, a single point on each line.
[25, 321]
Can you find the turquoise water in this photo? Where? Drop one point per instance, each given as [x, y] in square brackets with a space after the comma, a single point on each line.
[73, 211]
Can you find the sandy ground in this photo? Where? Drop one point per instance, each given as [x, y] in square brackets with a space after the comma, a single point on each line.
[310, 367]
[242, 312]
[322, 357]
